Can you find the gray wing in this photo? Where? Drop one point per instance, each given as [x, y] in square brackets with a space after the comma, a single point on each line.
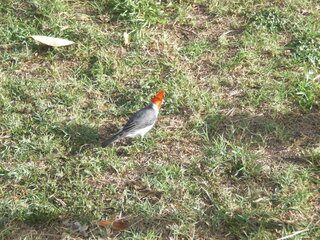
[141, 119]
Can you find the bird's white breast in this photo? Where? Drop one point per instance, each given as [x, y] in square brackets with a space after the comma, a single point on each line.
[141, 132]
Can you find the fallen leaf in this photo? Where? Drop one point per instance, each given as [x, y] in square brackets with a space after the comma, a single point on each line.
[67, 223]
[104, 18]
[62, 28]
[82, 228]
[117, 225]
[145, 191]
[287, 52]
[77, 225]
[51, 41]
[83, 17]
[126, 38]
[104, 107]
[104, 223]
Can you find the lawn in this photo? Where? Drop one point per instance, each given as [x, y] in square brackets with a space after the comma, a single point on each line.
[235, 153]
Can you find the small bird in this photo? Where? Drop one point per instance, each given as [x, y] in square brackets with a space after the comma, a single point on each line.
[141, 122]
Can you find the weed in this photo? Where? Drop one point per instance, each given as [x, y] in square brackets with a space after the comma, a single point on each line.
[137, 12]
[306, 48]
[273, 20]
[306, 92]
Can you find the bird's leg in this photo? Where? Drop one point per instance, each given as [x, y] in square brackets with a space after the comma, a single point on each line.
[143, 139]
[146, 138]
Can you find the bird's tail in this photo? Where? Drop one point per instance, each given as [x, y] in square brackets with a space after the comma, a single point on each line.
[110, 140]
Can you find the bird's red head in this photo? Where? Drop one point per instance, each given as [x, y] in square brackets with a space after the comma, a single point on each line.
[158, 99]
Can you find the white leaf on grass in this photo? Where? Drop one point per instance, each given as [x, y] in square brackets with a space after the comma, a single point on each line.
[51, 41]
[301, 93]
[126, 38]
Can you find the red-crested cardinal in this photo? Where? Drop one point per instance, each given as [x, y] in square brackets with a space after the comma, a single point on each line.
[141, 122]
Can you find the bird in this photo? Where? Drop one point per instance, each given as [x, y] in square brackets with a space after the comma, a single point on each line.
[141, 122]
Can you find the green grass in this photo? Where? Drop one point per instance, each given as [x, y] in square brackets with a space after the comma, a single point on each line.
[234, 155]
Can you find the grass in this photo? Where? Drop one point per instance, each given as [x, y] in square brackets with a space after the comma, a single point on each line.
[234, 155]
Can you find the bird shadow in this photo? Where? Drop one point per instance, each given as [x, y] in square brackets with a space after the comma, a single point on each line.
[80, 137]
[108, 131]
[77, 137]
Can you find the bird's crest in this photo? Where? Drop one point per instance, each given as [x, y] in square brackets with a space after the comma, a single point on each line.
[158, 99]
